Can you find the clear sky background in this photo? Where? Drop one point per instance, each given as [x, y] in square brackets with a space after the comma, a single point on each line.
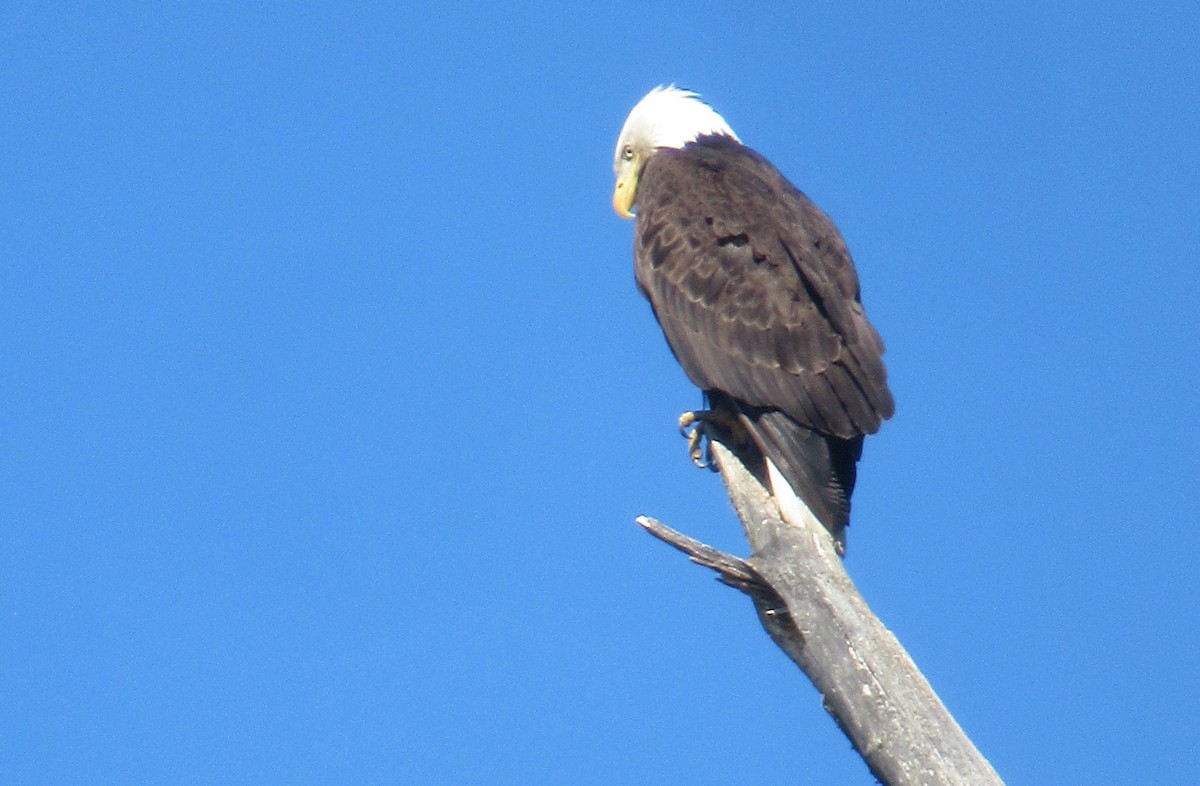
[327, 401]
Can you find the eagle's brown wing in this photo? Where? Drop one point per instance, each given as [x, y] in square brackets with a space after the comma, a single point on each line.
[755, 289]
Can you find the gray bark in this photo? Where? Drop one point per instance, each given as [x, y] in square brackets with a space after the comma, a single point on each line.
[811, 608]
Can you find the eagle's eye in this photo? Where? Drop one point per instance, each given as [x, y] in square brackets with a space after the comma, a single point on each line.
[627, 153]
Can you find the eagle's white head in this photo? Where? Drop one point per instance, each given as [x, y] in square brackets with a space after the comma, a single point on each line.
[665, 117]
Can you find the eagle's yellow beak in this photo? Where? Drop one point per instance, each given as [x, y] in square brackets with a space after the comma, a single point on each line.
[626, 190]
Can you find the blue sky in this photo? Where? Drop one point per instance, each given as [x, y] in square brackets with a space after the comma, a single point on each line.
[328, 401]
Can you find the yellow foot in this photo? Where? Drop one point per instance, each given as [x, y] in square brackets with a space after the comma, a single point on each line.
[695, 425]
[691, 426]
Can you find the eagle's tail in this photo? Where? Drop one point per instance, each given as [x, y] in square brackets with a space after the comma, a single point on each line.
[809, 473]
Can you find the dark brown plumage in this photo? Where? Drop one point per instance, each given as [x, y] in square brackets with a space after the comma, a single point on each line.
[759, 300]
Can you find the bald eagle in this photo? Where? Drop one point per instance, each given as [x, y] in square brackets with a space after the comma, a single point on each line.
[756, 293]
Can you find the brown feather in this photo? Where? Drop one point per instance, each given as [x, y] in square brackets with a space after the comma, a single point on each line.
[759, 300]
[755, 287]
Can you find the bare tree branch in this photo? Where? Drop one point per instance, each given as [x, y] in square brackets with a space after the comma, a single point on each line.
[811, 608]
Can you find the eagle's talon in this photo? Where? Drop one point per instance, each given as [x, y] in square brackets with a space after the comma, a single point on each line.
[694, 426]
[697, 449]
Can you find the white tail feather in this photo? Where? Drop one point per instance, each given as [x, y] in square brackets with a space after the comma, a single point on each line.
[792, 509]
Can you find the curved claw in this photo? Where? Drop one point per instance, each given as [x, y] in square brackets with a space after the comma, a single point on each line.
[691, 426]
[698, 449]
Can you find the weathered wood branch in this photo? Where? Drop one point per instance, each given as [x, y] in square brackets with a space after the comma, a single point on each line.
[811, 608]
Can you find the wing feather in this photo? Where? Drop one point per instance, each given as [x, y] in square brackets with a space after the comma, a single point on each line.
[755, 289]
